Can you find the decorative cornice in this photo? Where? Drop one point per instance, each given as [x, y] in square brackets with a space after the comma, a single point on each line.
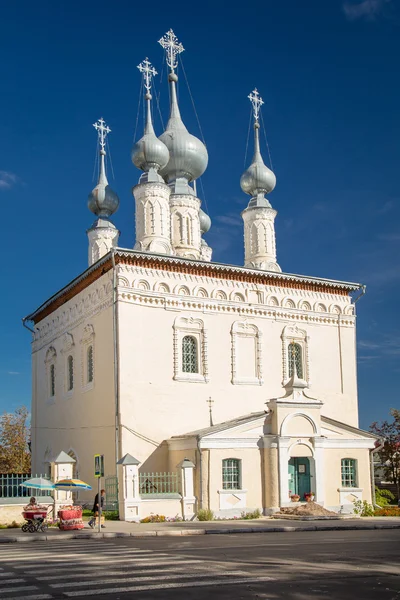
[188, 267]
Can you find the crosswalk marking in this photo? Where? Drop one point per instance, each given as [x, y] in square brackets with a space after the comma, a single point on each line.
[74, 570]
[92, 571]
[138, 579]
[56, 560]
[30, 597]
[20, 555]
[125, 564]
[164, 586]
[21, 588]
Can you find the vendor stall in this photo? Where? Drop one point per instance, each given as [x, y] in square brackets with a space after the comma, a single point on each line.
[70, 517]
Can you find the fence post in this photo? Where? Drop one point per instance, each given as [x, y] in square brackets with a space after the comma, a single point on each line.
[129, 497]
[187, 489]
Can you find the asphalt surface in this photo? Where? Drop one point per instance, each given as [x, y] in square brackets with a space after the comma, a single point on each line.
[326, 565]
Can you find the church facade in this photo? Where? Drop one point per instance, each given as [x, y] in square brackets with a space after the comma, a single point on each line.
[163, 360]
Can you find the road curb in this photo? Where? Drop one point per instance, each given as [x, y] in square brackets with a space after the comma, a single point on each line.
[189, 532]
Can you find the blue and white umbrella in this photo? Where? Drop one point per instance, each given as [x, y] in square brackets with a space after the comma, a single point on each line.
[38, 483]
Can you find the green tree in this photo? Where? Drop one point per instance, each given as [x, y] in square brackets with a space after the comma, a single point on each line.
[390, 453]
[14, 442]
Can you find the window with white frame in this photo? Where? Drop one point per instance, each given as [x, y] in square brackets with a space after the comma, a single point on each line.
[190, 350]
[246, 349]
[295, 357]
[67, 350]
[231, 474]
[295, 344]
[70, 373]
[50, 362]
[88, 357]
[52, 382]
[89, 365]
[349, 472]
[190, 363]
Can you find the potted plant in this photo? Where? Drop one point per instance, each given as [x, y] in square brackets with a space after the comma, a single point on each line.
[309, 496]
[295, 497]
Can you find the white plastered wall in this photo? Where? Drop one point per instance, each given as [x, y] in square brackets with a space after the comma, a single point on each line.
[81, 421]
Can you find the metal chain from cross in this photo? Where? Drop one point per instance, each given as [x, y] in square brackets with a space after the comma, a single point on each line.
[257, 103]
[102, 131]
[148, 72]
[172, 47]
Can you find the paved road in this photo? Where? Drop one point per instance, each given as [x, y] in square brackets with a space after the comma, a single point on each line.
[337, 565]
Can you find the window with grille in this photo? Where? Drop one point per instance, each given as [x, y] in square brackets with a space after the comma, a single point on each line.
[90, 364]
[70, 373]
[295, 356]
[189, 355]
[349, 472]
[52, 381]
[231, 474]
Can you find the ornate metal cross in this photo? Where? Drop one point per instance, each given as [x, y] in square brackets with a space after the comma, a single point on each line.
[172, 47]
[102, 131]
[148, 71]
[256, 101]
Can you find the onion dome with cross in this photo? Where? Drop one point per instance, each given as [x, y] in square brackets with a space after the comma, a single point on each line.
[188, 156]
[258, 179]
[102, 201]
[149, 154]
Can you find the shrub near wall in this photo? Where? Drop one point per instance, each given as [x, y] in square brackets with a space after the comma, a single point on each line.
[388, 511]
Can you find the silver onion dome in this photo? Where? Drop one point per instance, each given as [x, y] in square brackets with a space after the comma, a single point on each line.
[102, 200]
[205, 221]
[258, 179]
[149, 153]
[188, 157]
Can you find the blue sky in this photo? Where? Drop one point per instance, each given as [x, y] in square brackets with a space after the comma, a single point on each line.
[328, 73]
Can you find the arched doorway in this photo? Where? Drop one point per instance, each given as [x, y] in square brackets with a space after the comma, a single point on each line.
[299, 476]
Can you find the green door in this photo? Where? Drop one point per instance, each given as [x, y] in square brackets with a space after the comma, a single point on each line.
[299, 476]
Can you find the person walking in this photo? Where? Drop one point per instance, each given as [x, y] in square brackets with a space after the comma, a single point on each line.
[96, 506]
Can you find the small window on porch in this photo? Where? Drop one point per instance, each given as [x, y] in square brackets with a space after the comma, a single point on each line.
[295, 355]
[231, 474]
[349, 472]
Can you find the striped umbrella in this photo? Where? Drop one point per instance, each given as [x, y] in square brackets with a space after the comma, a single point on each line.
[38, 483]
[72, 484]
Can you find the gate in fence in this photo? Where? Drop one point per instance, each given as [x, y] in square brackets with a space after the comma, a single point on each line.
[111, 487]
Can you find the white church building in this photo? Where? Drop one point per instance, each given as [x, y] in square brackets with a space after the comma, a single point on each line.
[204, 385]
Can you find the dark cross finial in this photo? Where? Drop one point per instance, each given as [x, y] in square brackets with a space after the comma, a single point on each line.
[210, 402]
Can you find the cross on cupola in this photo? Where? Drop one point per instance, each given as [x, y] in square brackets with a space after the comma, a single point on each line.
[172, 48]
[257, 103]
[148, 72]
[102, 131]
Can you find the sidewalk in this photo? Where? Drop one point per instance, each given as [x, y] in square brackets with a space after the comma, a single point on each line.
[263, 525]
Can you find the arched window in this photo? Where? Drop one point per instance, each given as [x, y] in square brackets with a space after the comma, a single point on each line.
[349, 472]
[90, 364]
[70, 373]
[295, 356]
[52, 382]
[231, 474]
[189, 355]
